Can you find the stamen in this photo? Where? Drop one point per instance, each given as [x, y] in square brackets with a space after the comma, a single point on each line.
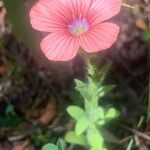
[78, 26]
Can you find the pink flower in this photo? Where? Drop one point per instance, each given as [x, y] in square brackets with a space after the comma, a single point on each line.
[72, 24]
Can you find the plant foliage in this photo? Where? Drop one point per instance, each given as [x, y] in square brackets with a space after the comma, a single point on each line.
[90, 119]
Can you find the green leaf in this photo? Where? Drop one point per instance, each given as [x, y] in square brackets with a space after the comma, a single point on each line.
[49, 147]
[101, 122]
[61, 144]
[10, 119]
[83, 89]
[146, 36]
[130, 145]
[95, 140]
[105, 90]
[79, 85]
[96, 114]
[75, 112]
[93, 89]
[91, 69]
[71, 137]
[81, 125]
[88, 90]
[100, 112]
[111, 113]
[102, 73]
[95, 75]
[10, 110]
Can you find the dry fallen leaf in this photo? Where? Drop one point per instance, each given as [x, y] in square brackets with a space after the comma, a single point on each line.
[25, 145]
[4, 69]
[48, 113]
[141, 24]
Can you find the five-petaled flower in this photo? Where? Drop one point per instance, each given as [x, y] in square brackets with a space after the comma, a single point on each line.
[72, 24]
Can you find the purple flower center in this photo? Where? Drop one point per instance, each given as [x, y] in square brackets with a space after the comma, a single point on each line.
[78, 27]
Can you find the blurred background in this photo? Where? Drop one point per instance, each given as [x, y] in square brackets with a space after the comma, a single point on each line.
[34, 92]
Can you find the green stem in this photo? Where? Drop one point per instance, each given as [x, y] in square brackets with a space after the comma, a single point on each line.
[148, 109]
[130, 145]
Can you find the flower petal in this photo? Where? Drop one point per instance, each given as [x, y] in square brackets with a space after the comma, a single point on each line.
[78, 8]
[60, 46]
[100, 37]
[102, 10]
[45, 16]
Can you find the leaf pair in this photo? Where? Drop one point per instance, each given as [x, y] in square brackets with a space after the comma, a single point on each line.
[80, 116]
[61, 145]
[92, 91]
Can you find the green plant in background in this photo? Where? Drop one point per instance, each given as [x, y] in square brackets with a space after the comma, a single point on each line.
[40, 138]
[130, 145]
[91, 118]
[60, 145]
[10, 119]
[146, 36]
